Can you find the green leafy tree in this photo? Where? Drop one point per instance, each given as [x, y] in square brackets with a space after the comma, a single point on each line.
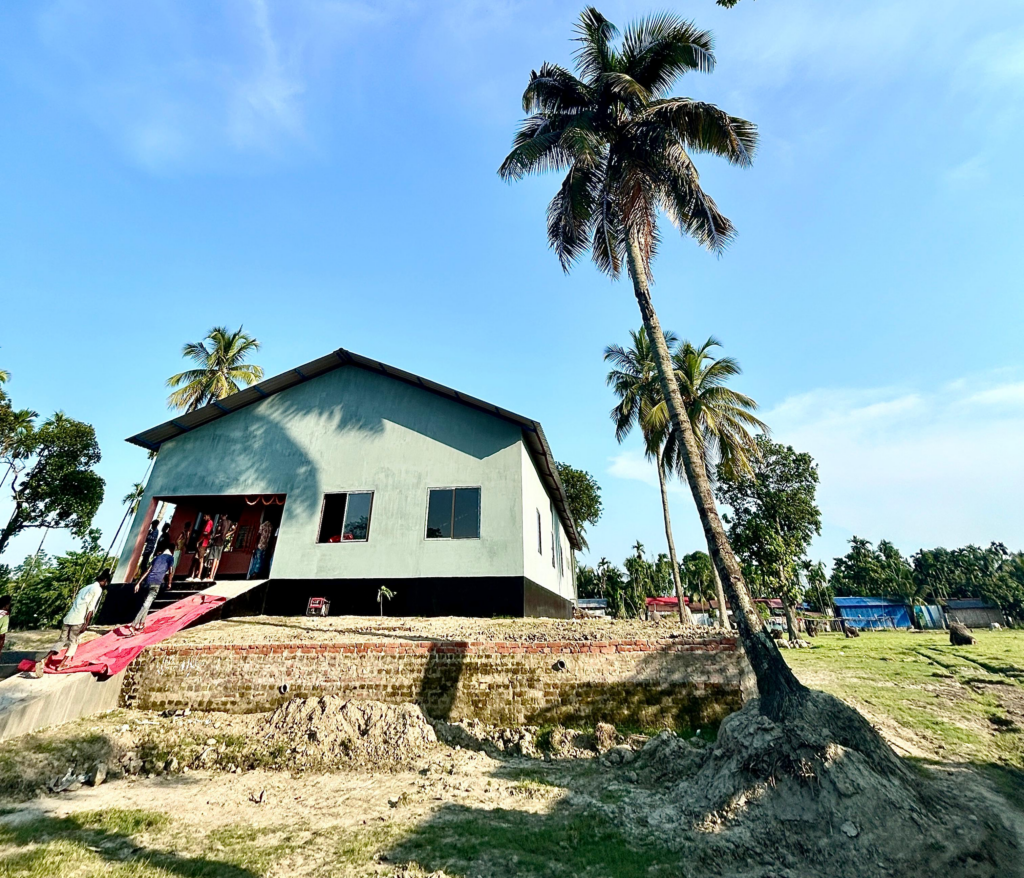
[42, 588]
[774, 517]
[588, 582]
[857, 572]
[816, 588]
[221, 371]
[59, 489]
[702, 584]
[17, 436]
[634, 378]
[613, 587]
[625, 144]
[645, 578]
[584, 496]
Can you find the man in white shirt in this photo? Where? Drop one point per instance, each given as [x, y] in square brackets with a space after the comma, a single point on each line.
[77, 620]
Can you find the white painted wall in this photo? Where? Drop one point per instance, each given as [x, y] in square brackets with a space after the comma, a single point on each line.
[537, 565]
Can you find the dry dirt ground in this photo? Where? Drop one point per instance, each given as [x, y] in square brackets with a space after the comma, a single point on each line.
[330, 788]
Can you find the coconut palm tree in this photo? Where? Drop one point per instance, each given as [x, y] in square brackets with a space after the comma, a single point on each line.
[721, 419]
[222, 369]
[624, 144]
[634, 378]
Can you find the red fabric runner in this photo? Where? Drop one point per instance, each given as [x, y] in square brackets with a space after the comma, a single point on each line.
[113, 652]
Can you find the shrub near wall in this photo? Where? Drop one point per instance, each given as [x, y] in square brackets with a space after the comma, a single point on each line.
[640, 683]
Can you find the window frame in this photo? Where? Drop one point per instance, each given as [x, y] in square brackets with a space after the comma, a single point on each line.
[323, 504]
[453, 489]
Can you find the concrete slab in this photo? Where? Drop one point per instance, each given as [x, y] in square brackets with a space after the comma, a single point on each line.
[28, 704]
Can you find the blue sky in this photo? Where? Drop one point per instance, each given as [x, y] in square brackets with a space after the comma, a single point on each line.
[324, 173]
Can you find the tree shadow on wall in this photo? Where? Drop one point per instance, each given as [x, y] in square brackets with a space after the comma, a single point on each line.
[439, 685]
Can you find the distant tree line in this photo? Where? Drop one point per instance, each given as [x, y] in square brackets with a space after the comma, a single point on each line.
[931, 576]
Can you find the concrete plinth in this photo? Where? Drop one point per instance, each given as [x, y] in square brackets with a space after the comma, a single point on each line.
[28, 704]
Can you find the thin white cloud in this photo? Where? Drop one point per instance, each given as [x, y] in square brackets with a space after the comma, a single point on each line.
[179, 86]
[921, 469]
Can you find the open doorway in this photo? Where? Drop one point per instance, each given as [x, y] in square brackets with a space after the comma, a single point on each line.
[230, 536]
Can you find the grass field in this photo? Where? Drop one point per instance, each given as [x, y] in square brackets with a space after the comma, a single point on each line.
[936, 703]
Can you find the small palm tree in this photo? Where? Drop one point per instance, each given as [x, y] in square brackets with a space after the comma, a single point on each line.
[634, 378]
[222, 369]
[721, 420]
[624, 144]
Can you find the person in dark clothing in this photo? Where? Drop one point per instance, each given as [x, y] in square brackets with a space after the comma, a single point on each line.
[150, 544]
[153, 579]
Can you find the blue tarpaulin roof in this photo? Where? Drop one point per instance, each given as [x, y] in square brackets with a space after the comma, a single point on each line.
[865, 612]
[866, 602]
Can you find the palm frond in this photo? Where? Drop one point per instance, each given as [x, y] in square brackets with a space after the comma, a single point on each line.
[571, 215]
[705, 128]
[623, 87]
[658, 49]
[607, 248]
[554, 89]
[537, 147]
[595, 54]
[691, 209]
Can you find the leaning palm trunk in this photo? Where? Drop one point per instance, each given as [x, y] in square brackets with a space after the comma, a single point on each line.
[776, 683]
[723, 609]
[685, 618]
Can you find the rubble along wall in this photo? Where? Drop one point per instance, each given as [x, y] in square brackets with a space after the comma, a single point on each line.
[677, 683]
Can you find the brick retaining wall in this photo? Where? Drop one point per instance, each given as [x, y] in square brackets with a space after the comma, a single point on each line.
[640, 683]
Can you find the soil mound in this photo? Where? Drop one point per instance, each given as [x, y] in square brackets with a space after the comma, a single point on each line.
[329, 731]
[783, 798]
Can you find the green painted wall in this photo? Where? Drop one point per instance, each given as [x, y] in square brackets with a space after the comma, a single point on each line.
[353, 430]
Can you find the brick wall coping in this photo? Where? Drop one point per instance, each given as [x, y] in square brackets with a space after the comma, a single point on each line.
[465, 647]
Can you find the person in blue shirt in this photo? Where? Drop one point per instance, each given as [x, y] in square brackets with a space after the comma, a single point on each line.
[153, 579]
[151, 541]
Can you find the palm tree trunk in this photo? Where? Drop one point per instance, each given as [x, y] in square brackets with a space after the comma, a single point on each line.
[723, 609]
[777, 685]
[685, 618]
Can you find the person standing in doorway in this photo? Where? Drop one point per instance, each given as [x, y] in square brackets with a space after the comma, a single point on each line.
[77, 620]
[150, 545]
[179, 547]
[217, 543]
[153, 580]
[258, 557]
[202, 543]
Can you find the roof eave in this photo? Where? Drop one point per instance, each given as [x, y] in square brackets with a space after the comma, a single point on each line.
[153, 438]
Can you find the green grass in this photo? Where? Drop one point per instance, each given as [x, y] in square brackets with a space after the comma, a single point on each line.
[136, 844]
[950, 697]
[564, 842]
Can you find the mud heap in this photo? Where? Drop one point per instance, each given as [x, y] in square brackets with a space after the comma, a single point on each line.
[784, 799]
[330, 731]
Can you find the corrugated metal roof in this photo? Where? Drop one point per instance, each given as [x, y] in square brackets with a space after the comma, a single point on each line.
[970, 604]
[533, 434]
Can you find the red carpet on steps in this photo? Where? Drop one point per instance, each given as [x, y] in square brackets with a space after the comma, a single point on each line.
[113, 652]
